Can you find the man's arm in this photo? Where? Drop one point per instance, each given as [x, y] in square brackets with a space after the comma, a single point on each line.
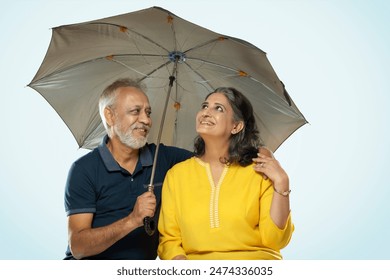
[86, 241]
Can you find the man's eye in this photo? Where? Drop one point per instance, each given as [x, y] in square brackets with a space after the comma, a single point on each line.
[134, 111]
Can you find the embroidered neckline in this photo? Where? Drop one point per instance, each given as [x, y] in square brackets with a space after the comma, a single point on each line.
[215, 190]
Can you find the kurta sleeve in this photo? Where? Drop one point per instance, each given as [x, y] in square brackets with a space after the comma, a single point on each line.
[272, 236]
[170, 236]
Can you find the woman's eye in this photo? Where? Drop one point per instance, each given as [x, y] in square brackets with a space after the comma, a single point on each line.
[204, 106]
[219, 108]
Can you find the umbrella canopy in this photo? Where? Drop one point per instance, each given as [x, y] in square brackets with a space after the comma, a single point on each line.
[152, 45]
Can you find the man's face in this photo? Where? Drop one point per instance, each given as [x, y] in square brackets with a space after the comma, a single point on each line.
[132, 122]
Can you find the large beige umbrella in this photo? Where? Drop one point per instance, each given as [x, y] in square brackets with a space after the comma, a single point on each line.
[178, 61]
[84, 58]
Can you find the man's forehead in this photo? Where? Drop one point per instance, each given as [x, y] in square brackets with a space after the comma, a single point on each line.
[135, 101]
[132, 92]
[140, 106]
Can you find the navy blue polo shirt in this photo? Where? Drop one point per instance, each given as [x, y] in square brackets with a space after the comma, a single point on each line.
[98, 184]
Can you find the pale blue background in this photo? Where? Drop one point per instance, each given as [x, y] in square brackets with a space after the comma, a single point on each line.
[333, 57]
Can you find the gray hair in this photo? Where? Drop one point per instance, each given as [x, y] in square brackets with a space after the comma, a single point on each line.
[108, 97]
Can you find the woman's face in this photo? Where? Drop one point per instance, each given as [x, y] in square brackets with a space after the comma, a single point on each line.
[215, 117]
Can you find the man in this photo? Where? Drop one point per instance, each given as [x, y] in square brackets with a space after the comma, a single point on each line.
[106, 197]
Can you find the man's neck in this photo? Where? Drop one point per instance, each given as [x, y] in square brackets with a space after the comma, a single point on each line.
[125, 156]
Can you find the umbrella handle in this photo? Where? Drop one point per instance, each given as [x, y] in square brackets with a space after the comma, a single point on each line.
[149, 224]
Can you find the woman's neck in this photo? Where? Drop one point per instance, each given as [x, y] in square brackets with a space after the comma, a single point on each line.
[215, 152]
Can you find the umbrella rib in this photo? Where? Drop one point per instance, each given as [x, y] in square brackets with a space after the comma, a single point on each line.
[224, 37]
[101, 58]
[154, 70]
[143, 55]
[206, 43]
[224, 67]
[143, 74]
[132, 31]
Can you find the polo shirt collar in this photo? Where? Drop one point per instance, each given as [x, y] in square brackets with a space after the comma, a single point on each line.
[145, 156]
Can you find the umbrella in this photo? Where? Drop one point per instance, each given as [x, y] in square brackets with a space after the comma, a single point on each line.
[84, 58]
[178, 61]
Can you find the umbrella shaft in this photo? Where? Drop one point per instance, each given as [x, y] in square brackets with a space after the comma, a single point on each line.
[171, 80]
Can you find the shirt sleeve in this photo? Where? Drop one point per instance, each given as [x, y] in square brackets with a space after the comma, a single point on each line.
[80, 196]
[170, 237]
[272, 236]
[176, 155]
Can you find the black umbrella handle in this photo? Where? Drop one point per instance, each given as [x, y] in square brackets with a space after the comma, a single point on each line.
[149, 224]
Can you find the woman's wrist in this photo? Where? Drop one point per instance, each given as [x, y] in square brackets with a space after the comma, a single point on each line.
[283, 192]
[282, 186]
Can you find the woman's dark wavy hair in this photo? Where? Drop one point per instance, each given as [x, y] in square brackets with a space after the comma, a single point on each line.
[243, 145]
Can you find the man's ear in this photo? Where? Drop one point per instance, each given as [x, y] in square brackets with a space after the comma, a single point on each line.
[237, 127]
[109, 115]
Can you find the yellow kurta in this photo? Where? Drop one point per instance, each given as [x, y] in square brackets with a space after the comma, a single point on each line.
[228, 221]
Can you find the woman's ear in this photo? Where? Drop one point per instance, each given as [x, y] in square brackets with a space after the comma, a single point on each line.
[237, 127]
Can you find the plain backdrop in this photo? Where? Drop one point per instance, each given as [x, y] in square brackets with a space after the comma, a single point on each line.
[333, 57]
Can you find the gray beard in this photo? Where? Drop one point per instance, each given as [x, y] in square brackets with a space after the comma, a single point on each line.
[128, 139]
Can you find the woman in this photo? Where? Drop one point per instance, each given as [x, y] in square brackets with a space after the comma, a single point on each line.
[214, 206]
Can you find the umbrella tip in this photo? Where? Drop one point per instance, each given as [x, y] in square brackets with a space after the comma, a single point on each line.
[242, 73]
[177, 106]
[123, 29]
